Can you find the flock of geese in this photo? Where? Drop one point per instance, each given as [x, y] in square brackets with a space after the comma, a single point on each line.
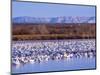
[40, 51]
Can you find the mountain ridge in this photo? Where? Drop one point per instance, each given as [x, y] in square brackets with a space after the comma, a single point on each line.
[62, 19]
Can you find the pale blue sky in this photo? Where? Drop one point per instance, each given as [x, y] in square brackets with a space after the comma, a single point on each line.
[50, 10]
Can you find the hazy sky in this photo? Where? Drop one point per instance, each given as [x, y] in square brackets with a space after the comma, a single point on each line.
[50, 10]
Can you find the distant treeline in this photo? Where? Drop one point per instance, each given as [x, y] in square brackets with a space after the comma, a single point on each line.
[53, 31]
